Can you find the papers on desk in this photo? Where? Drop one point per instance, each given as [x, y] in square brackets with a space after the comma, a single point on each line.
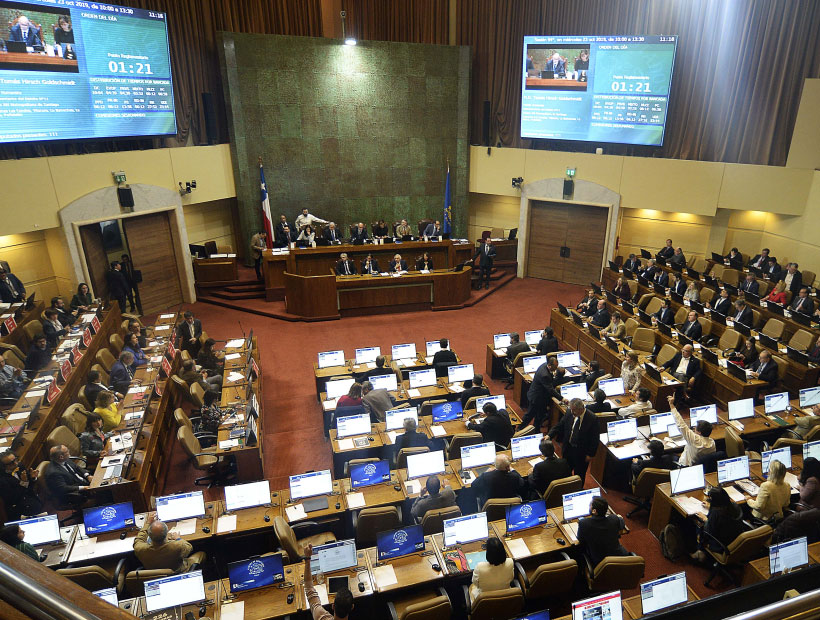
[186, 527]
[18, 416]
[327, 405]
[162, 328]
[227, 444]
[232, 356]
[722, 362]
[500, 352]
[535, 461]
[134, 415]
[412, 486]
[518, 548]
[428, 359]
[170, 315]
[155, 359]
[437, 430]
[392, 435]
[235, 376]
[225, 523]
[675, 443]
[690, 505]
[117, 459]
[424, 271]
[696, 345]
[668, 381]
[469, 477]
[355, 500]
[401, 363]
[633, 448]
[321, 591]
[572, 531]
[90, 547]
[792, 480]
[87, 317]
[384, 576]
[456, 388]
[295, 512]
[121, 441]
[783, 349]
[370, 365]
[35, 393]
[737, 424]
[734, 494]
[137, 389]
[236, 343]
[414, 393]
[345, 444]
[154, 343]
[232, 611]
[111, 472]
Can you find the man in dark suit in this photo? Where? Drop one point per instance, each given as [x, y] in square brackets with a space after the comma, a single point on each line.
[473, 388]
[742, 313]
[676, 284]
[657, 459]
[380, 369]
[665, 314]
[589, 304]
[485, 256]
[39, 354]
[592, 374]
[691, 327]
[398, 264]
[64, 315]
[548, 342]
[17, 488]
[411, 438]
[283, 237]
[667, 251]
[370, 265]
[723, 304]
[599, 534]
[773, 270]
[25, 32]
[93, 387]
[118, 287]
[444, 354]
[765, 369]
[750, 284]
[793, 279]
[650, 270]
[500, 481]
[678, 258]
[760, 260]
[661, 277]
[557, 65]
[281, 232]
[632, 263]
[359, 234]
[601, 318]
[802, 303]
[331, 235]
[734, 259]
[345, 266]
[433, 229]
[685, 367]
[52, 328]
[516, 347]
[121, 374]
[541, 390]
[578, 434]
[65, 480]
[11, 289]
[551, 468]
[189, 332]
[494, 427]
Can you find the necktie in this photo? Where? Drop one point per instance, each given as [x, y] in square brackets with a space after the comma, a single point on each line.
[573, 436]
[799, 303]
[347, 269]
[760, 370]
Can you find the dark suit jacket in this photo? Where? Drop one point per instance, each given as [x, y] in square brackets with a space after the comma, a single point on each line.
[184, 332]
[589, 378]
[601, 318]
[662, 278]
[600, 407]
[374, 266]
[588, 437]
[542, 387]
[723, 306]
[422, 264]
[677, 259]
[432, 231]
[494, 483]
[649, 272]
[359, 235]
[411, 440]
[37, 358]
[692, 330]
[65, 318]
[485, 254]
[600, 537]
[664, 462]
[546, 471]
[746, 317]
[632, 265]
[797, 282]
[665, 315]
[666, 253]
[736, 262]
[119, 378]
[331, 236]
[52, 334]
[769, 373]
[750, 287]
[17, 499]
[807, 306]
[473, 391]
[117, 284]
[91, 391]
[514, 349]
[775, 271]
[679, 288]
[444, 355]
[393, 265]
[280, 229]
[31, 38]
[547, 345]
[6, 296]
[340, 267]
[756, 258]
[692, 370]
[496, 428]
[559, 67]
[61, 483]
[623, 291]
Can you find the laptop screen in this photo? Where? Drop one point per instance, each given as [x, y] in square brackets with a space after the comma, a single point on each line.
[736, 468]
[422, 378]
[465, 529]
[425, 464]
[337, 388]
[403, 351]
[773, 403]
[536, 615]
[444, 412]
[574, 390]
[739, 409]
[351, 425]
[181, 506]
[368, 474]
[499, 401]
[812, 448]
[664, 592]
[389, 382]
[460, 373]
[109, 595]
[706, 412]
[310, 484]
[331, 358]
[526, 446]
[533, 363]
[477, 455]
[532, 337]
[788, 555]
[612, 387]
[239, 496]
[394, 418]
[576, 504]
[433, 347]
[603, 607]
[687, 479]
[367, 354]
[660, 422]
[810, 396]
[525, 516]
[333, 556]
[108, 518]
[622, 430]
[501, 341]
[256, 573]
[175, 590]
[39, 530]
[396, 543]
[784, 455]
[569, 359]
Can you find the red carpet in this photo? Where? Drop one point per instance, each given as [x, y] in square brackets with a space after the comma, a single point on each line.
[293, 436]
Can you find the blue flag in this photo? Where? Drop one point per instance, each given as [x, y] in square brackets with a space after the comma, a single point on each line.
[447, 220]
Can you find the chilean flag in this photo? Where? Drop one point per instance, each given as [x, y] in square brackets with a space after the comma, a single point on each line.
[265, 206]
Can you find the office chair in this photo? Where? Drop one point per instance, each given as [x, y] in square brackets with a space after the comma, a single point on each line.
[747, 546]
[643, 488]
[495, 604]
[457, 441]
[74, 418]
[547, 580]
[292, 547]
[215, 465]
[115, 343]
[416, 606]
[615, 572]
[401, 457]
[496, 507]
[135, 579]
[433, 520]
[105, 359]
[369, 522]
[553, 495]
[95, 577]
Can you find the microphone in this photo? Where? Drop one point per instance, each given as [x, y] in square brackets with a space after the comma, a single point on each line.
[240, 327]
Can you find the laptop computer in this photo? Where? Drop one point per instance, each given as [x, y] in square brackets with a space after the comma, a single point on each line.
[743, 329]
[646, 253]
[717, 317]
[752, 298]
[664, 328]
[653, 373]
[676, 297]
[562, 308]
[613, 267]
[683, 340]
[611, 297]
[718, 258]
[798, 356]
[736, 371]
[695, 275]
[696, 306]
[593, 331]
[628, 307]
[767, 341]
[803, 319]
[775, 308]
[709, 356]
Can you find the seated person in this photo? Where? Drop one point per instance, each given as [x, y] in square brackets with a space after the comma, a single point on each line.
[353, 398]
[734, 259]
[496, 573]
[665, 315]
[14, 536]
[134, 327]
[495, 427]
[473, 388]
[677, 258]
[433, 230]
[632, 263]
[331, 234]
[516, 347]
[155, 548]
[499, 481]
[802, 303]
[805, 423]
[592, 374]
[691, 328]
[773, 271]
[759, 261]
[380, 369]
[777, 295]
[92, 439]
[376, 402]
[686, 368]
[82, 300]
[380, 230]
[600, 404]
[765, 368]
[721, 305]
[650, 270]
[588, 304]
[622, 290]
[109, 412]
[284, 237]
[345, 266]
[403, 230]
[93, 386]
[132, 345]
[601, 316]
[444, 354]
[724, 521]
[802, 523]
[11, 381]
[432, 497]
[210, 416]
[548, 342]
[657, 459]
[551, 468]
[39, 354]
[667, 251]
[67, 482]
[424, 263]
[750, 284]
[52, 328]
[398, 264]
[774, 495]
[676, 284]
[121, 374]
[748, 355]
[639, 407]
[692, 292]
[370, 264]
[307, 237]
[359, 234]
[17, 488]
[209, 359]
[25, 32]
[64, 315]
[203, 377]
[599, 534]
[809, 484]
[661, 277]
[411, 438]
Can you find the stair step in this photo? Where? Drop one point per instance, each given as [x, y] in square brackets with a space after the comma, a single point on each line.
[237, 295]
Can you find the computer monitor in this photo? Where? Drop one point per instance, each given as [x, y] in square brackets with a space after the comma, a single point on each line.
[477, 455]
[351, 425]
[256, 572]
[544, 614]
[660, 422]
[788, 555]
[729, 470]
[396, 543]
[784, 455]
[569, 359]
[389, 382]
[174, 590]
[109, 595]
[664, 592]
[460, 373]
[622, 430]
[774, 403]
[501, 341]
[433, 347]
[574, 390]
[239, 496]
[108, 518]
[739, 409]
[576, 505]
[532, 337]
[444, 412]
[368, 474]
[687, 479]
[394, 418]
[425, 464]
[524, 516]
[311, 484]
[499, 400]
[706, 412]
[612, 387]
[367, 354]
[810, 396]
[422, 378]
[602, 607]
[403, 351]
[338, 388]
[40, 530]
[811, 448]
[533, 363]
[334, 556]
[181, 506]
[465, 529]
[331, 358]
[526, 446]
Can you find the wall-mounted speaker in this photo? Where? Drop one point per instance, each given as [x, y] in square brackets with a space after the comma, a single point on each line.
[569, 189]
[126, 198]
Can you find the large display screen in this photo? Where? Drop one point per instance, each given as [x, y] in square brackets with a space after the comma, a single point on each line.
[74, 69]
[597, 88]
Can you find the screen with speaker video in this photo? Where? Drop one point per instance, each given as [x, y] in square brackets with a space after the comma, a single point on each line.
[606, 89]
[71, 69]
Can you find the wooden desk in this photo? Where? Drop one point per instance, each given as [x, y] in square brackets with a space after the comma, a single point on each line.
[555, 84]
[249, 520]
[216, 270]
[539, 540]
[758, 570]
[51, 63]
[634, 608]
[384, 494]
[449, 478]
[213, 601]
[355, 575]
[273, 268]
[18, 337]
[206, 521]
[411, 570]
[268, 602]
[335, 505]
[465, 548]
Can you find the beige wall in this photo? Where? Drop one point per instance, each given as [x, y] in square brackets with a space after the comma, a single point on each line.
[649, 229]
[28, 257]
[210, 221]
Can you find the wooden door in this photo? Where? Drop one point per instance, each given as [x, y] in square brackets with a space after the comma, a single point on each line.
[153, 253]
[95, 258]
[578, 229]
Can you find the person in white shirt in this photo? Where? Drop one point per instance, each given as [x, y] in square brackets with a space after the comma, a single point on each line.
[494, 574]
[640, 406]
[308, 219]
[697, 441]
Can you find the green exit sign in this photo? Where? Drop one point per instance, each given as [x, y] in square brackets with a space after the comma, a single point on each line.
[570, 172]
[119, 177]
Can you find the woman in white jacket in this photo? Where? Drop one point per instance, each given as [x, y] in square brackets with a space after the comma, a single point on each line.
[494, 574]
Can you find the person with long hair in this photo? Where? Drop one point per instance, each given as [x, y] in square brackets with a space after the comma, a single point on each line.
[724, 522]
[495, 573]
[92, 439]
[82, 299]
[774, 495]
[809, 483]
[13, 536]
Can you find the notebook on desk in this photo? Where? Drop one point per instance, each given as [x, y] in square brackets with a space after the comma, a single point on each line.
[314, 504]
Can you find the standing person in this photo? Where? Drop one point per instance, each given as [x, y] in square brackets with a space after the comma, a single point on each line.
[486, 256]
[189, 332]
[133, 277]
[541, 390]
[578, 433]
[118, 287]
[259, 243]
[11, 289]
[307, 219]
[631, 372]
[375, 402]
